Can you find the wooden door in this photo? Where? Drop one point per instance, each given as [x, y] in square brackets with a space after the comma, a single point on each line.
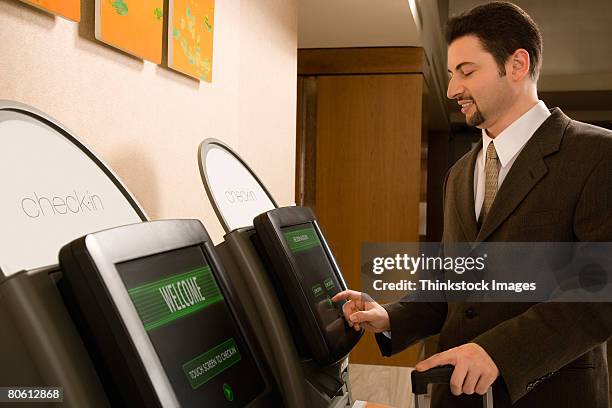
[359, 167]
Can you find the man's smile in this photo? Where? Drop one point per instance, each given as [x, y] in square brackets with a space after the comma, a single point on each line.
[465, 104]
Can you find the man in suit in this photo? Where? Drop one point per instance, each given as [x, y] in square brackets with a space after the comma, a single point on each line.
[536, 176]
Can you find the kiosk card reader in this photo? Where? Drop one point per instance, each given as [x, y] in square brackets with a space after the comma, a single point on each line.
[305, 269]
[162, 319]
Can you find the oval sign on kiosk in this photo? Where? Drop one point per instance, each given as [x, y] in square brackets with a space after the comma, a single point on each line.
[232, 187]
[54, 189]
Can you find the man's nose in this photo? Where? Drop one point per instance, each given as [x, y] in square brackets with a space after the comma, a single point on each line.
[455, 88]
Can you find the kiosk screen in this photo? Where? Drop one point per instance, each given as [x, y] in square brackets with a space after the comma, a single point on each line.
[191, 328]
[317, 273]
[318, 280]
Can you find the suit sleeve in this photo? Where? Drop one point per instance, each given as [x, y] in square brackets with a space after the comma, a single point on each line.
[410, 322]
[548, 336]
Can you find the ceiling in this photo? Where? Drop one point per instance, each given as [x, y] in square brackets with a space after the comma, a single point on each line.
[577, 64]
[356, 23]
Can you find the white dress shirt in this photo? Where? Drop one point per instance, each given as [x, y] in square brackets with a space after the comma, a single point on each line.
[508, 144]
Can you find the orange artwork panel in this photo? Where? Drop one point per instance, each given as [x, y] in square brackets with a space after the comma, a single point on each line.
[133, 26]
[190, 37]
[70, 9]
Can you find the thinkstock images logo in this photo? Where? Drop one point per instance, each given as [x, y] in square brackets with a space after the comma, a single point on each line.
[39, 205]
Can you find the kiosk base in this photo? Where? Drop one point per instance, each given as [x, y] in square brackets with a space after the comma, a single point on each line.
[39, 345]
[328, 386]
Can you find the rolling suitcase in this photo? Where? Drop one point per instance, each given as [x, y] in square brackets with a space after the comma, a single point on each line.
[438, 375]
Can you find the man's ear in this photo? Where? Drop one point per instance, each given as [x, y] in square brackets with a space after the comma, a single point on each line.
[519, 64]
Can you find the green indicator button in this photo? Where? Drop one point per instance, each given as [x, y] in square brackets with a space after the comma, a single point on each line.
[329, 283]
[317, 290]
[208, 365]
[228, 392]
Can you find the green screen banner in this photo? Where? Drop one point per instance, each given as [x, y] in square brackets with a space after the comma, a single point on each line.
[302, 239]
[166, 300]
[208, 365]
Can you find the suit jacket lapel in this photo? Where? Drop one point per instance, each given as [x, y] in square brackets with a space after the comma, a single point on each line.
[464, 195]
[527, 170]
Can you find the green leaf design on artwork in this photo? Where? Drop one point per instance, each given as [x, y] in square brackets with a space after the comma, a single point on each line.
[207, 24]
[187, 37]
[120, 7]
[159, 14]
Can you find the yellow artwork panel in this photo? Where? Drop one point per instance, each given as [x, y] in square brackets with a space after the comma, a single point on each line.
[133, 26]
[70, 9]
[190, 37]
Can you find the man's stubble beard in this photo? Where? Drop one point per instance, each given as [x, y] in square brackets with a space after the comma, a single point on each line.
[476, 119]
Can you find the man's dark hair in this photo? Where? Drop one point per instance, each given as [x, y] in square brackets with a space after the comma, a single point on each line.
[502, 28]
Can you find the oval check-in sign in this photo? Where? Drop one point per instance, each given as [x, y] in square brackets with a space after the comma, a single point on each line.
[53, 190]
[235, 192]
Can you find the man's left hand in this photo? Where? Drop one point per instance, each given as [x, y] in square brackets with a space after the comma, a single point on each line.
[474, 370]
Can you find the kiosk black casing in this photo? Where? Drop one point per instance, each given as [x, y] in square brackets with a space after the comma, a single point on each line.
[104, 332]
[325, 343]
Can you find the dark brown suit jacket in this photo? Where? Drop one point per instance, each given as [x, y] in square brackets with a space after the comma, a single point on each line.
[559, 189]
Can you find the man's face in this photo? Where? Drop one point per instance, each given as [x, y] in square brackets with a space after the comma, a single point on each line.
[475, 82]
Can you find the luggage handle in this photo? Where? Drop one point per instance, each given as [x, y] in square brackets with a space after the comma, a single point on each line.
[438, 375]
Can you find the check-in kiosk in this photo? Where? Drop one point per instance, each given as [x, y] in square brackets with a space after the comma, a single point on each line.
[286, 275]
[166, 324]
[300, 261]
[54, 189]
[142, 316]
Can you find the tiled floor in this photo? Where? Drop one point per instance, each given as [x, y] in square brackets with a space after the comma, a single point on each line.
[382, 384]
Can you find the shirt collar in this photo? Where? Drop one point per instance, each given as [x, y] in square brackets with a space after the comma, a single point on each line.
[512, 139]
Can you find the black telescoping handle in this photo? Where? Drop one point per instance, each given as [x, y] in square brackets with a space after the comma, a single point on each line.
[436, 375]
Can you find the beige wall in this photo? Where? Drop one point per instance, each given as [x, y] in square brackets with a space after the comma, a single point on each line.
[146, 121]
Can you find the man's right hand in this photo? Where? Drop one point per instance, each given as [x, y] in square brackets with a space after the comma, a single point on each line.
[361, 311]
